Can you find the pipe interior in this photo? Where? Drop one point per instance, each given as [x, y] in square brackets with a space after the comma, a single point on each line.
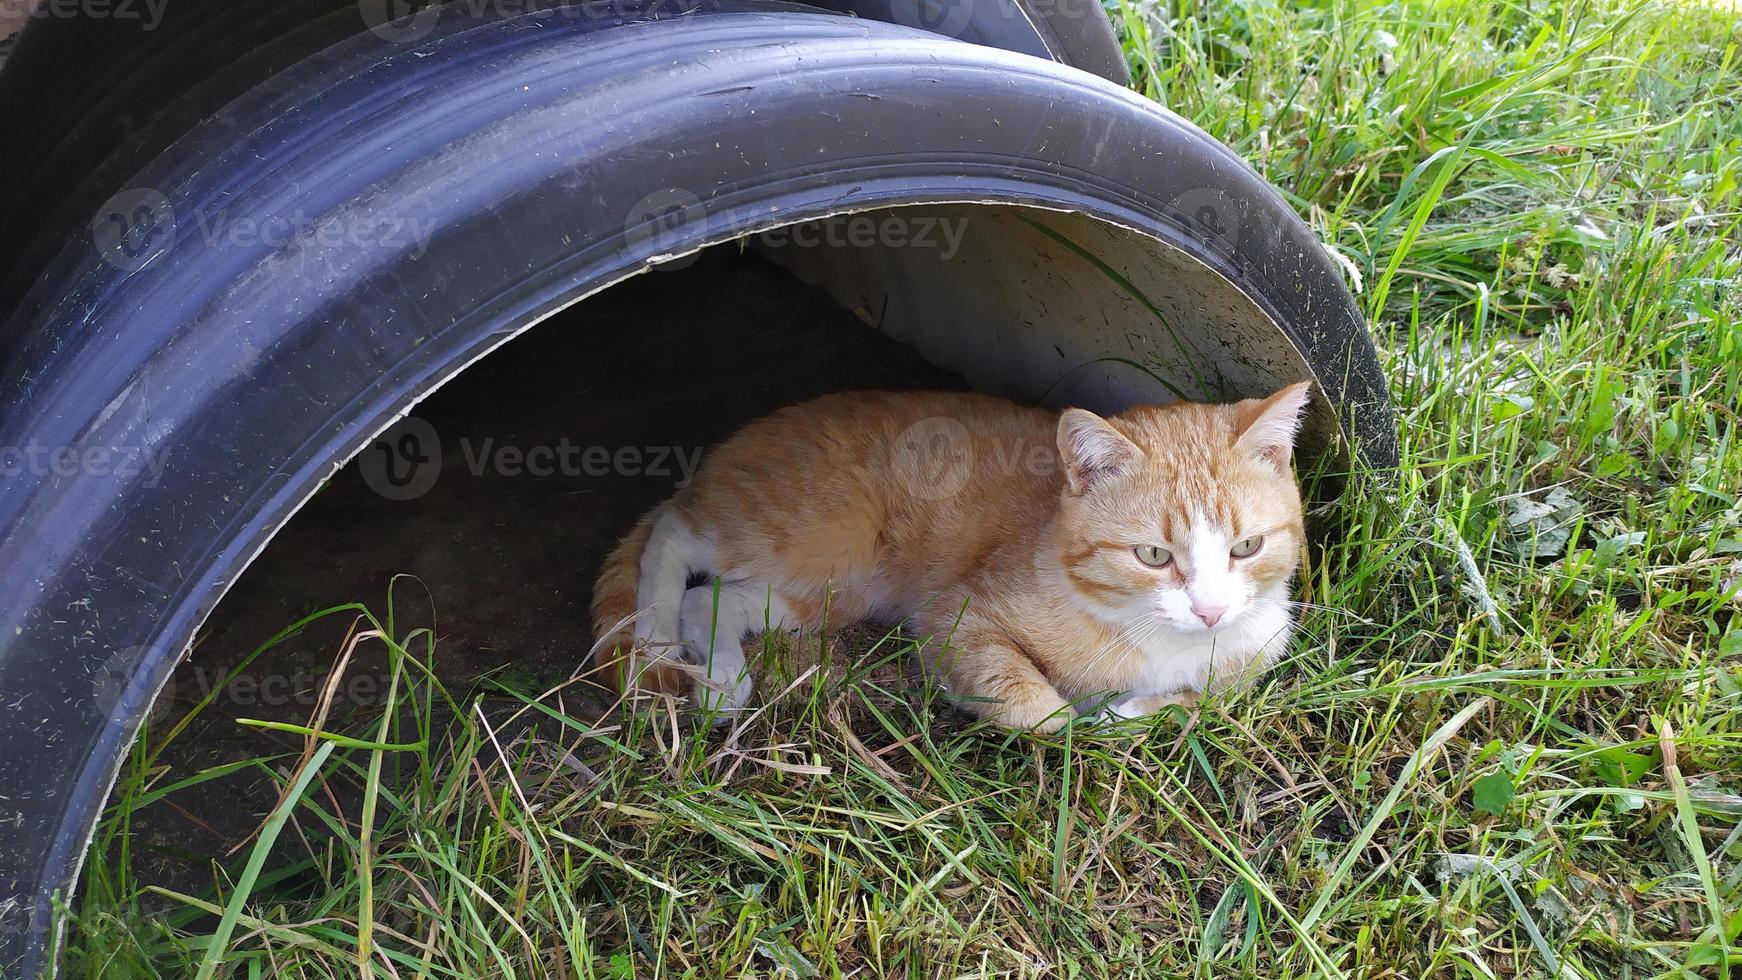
[553, 445]
[1048, 307]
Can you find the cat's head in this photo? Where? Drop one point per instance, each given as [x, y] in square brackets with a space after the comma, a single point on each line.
[1186, 514]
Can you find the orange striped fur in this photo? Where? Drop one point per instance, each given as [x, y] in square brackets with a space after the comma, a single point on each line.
[1026, 544]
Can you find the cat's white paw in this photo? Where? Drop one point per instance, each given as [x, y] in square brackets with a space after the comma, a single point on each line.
[724, 699]
[1138, 706]
[1125, 708]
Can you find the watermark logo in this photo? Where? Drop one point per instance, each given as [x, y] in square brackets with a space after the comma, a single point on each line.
[133, 227]
[1212, 215]
[934, 458]
[947, 17]
[937, 457]
[665, 223]
[404, 462]
[118, 688]
[399, 21]
[1228, 223]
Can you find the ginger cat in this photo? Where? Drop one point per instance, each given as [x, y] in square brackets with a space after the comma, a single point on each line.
[1048, 557]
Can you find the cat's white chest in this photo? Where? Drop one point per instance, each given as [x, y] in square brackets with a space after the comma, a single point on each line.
[1171, 662]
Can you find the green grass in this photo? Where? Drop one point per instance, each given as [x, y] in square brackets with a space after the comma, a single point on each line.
[1483, 759]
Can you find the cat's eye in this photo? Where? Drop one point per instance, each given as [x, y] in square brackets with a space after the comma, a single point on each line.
[1153, 555]
[1247, 548]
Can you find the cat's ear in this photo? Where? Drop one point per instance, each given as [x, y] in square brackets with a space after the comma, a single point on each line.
[1268, 426]
[1093, 451]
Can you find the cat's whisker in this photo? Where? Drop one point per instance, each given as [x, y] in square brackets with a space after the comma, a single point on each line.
[1304, 630]
[1297, 604]
[1126, 635]
[1129, 635]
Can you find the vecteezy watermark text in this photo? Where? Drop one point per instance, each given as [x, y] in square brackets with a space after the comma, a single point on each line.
[567, 459]
[405, 462]
[35, 459]
[120, 690]
[669, 225]
[922, 231]
[149, 13]
[370, 229]
[138, 224]
[410, 21]
[303, 687]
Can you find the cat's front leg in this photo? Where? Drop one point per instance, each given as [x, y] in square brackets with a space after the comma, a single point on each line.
[1000, 683]
[714, 621]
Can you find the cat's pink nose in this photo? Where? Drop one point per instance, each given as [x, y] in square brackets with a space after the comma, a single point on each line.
[1210, 615]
